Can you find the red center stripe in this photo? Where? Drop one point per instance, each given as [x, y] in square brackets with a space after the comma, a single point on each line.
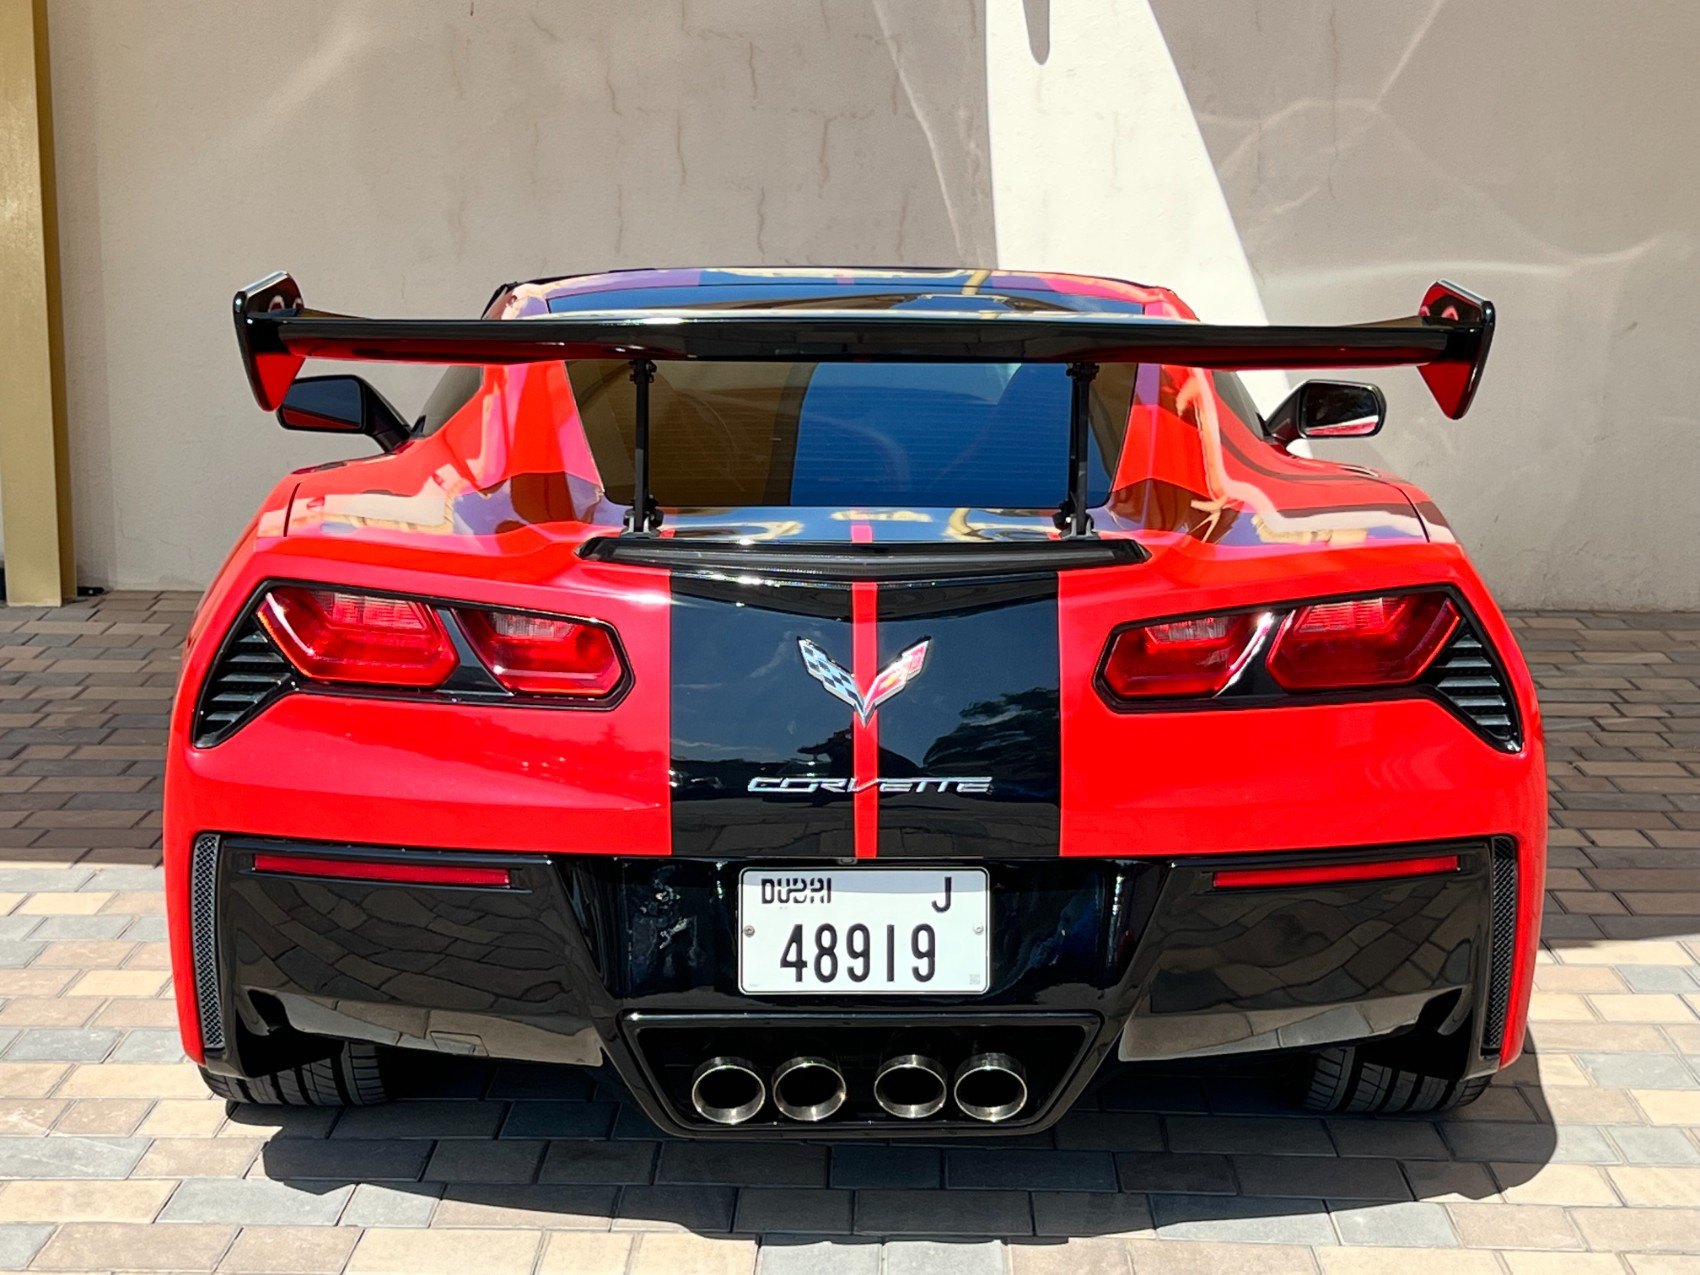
[864, 665]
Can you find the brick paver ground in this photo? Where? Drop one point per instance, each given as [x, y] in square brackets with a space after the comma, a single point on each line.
[1585, 1157]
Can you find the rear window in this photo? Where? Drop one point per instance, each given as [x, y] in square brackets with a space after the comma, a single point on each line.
[982, 435]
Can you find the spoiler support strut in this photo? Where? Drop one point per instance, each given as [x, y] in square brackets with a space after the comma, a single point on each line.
[644, 517]
[1073, 518]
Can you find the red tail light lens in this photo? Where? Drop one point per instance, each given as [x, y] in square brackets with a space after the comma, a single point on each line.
[332, 636]
[1197, 656]
[1384, 641]
[543, 655]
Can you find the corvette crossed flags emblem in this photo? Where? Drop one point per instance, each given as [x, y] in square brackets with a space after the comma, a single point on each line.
[841, 684]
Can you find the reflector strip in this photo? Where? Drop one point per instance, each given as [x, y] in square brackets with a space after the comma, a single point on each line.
[297, 865]
[1332, 873]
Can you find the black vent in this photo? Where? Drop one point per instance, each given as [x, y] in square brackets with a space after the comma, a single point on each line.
[1502, 943]
[203, 938]
[1468, 678]
[247, 675]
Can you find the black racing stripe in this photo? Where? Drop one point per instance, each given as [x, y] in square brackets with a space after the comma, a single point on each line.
[744, 707]
[986, 704]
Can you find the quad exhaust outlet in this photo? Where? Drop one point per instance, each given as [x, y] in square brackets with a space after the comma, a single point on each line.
[727, 1090]
[988, 1086]
[808, 1089]
[910, 1086]
[991, 1087]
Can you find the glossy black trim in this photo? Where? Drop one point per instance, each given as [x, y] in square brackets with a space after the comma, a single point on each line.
[898, 560]
[471, 682]
[1255, 688]
[560, 973]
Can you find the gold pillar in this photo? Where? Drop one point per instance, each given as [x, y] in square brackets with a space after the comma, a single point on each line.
[35, 480]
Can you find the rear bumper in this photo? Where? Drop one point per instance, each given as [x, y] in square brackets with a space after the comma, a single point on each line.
[583, 958]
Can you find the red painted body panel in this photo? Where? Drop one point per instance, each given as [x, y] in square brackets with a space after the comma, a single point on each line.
[493, 506]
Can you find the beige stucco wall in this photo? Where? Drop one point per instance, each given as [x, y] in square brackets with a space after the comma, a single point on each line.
[408, 156]
[1323, 160]
[1539, 151]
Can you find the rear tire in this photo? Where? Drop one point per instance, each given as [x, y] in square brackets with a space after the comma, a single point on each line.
[1343, 1080]
[351, 1077]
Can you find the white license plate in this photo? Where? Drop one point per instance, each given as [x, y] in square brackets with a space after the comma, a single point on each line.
[863, 931]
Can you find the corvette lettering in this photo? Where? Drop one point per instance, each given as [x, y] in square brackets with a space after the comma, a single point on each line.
[804, 786]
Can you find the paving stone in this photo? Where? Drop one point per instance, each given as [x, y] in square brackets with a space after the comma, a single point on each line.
[1403, 1223]
[149, 1046]
[742, 1164]
[581, 1253]
[857, 1164]
[559, 1120]
[83, 1201]
[792, 1210]
[880, 1212]
[786, 1255]
[598, 1162]
[289, 1250]
[69, 1157]
[928, 1257]
[1090, 1213]
[1241, 1219]
[42, 1044]
[1659, 1230]
[1536, 1226]
[709, 1255]
[527, 1205]
[399, 1161]
[79, 927]
[691, 1208]
[1332, 1178]
[1176, 1174]
[421, 1120]
[200, 1157]
[999, 1169]
[255, 1202]
[469, 1161]
[391, 1206]
[1249, 1135]
[20, 1242]
[1109, 1131]
[1640, 1144]
[97, 1246]
[445, 1251]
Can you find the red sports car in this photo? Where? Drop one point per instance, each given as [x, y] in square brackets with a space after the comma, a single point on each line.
[851, 703]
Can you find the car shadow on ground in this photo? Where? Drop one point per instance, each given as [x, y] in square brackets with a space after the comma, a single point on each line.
[1208, 1150]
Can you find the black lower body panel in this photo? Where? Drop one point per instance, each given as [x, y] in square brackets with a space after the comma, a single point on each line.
[634, 961]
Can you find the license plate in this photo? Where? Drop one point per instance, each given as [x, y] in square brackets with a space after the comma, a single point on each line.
[863, 931]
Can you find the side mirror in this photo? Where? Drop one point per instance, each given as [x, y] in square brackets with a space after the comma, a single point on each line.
[342, 405]
[1328, 409]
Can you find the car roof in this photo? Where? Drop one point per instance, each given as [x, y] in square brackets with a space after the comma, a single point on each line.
[955, 289]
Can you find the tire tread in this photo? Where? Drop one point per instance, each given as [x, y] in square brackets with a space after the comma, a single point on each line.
[1343, 1080]
[351, 1077]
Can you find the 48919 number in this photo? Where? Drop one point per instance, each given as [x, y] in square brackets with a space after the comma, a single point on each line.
[862, 955]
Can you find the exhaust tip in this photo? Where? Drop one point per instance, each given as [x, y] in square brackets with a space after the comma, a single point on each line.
[910, 1086]
[991, 1087]
[808, 1089]
[727, 1090]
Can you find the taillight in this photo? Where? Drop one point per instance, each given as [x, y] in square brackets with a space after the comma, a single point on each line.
[543, 655]
[1197, 656]
[334, 636]
[1383, 641]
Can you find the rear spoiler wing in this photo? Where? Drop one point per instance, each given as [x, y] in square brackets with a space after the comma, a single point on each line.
[1447, 340]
